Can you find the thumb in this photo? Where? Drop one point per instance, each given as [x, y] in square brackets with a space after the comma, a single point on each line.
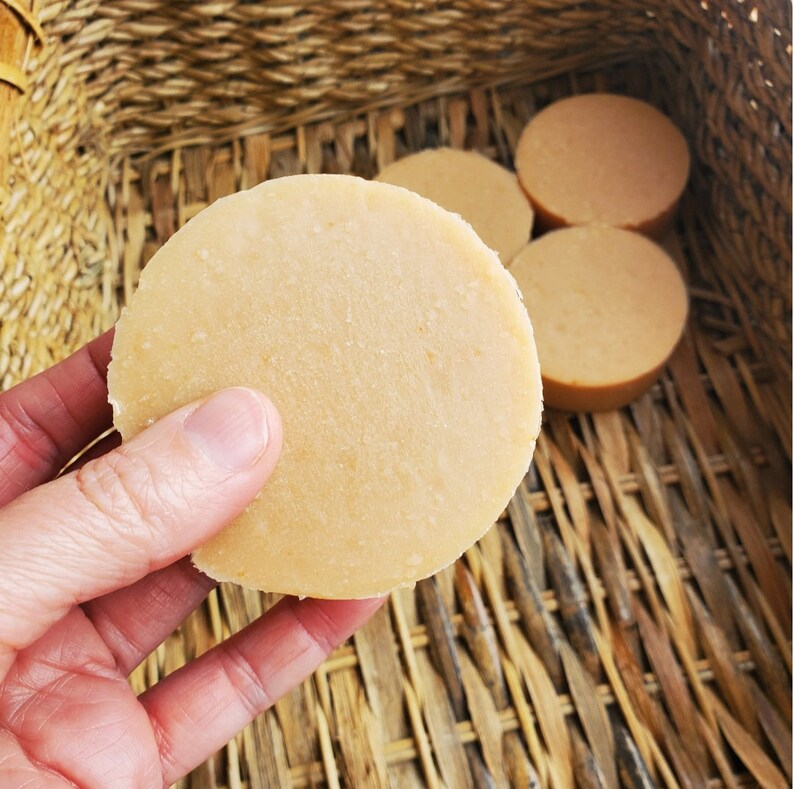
[134, 510]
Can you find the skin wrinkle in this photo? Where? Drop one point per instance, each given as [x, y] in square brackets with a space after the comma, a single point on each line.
[315, 636]
[89, 668]
[149, 496]
[126, 636]
[63, 781]
[23, 428]
[19, 717]
[115, 746]
[40, 570]
[82, 730]
[60, 406]
[24, 747]
[53, 674]
[167, 596]
[170, 764]
[25, 425]
[139, 498]
[9, 647]
[23, 439]
[252, 692]
[163, 596]
[126, 628]
[107, 486]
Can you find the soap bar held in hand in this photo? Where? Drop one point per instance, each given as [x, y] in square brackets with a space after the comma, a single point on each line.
[393, 343]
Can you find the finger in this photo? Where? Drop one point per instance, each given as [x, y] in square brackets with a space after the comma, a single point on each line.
[47, 420]
[132, 511]
[133, 621]
[200, 707]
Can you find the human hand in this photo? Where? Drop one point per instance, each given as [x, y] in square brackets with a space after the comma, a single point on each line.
[93, 577]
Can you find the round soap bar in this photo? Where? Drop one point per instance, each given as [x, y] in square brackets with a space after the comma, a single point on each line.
[601, 158]
[485, 194]
[608, 307]
[397, 350]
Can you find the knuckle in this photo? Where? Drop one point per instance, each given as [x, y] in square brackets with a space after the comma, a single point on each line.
[168, 748]
[129, 495]
[23, 438]
[315, 624]
[249, 686]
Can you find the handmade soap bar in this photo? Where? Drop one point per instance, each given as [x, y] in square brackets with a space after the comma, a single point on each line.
[397, 350]
[608, 307]
[602, 158]
[485, 194]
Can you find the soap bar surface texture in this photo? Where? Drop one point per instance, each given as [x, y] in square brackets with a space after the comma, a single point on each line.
[608, 307]
[484, 193]
[394, 345]
[603, 158]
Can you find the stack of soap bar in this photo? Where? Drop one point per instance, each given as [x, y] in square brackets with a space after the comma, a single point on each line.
[602, 158]
[397, 350]
[608, 307]
[486, 195]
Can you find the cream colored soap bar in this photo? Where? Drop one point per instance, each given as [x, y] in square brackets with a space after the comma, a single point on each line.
[608, 307]
[486, 195]
[397, 350]
[602, 158]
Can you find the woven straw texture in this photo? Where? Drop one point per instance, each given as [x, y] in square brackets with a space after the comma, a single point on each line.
[628, 620]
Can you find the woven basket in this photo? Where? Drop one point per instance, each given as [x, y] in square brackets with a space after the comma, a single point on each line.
[628, 620]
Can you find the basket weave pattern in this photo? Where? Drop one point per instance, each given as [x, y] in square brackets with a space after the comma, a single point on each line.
[628, 620]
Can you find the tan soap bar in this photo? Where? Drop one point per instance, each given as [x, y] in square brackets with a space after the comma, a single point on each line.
[397, 350]
[608, 307]
[485, 194]
[603, 158]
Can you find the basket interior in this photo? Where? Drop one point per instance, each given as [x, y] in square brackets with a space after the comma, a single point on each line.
[672, 485]
[628, 620]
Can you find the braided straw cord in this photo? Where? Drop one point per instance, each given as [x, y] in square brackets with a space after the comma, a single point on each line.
[17, 22]
[628, 620]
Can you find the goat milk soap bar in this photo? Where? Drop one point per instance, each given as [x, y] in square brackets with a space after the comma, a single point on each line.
[599, 158]
[397, 350]
[608, 307]
[485, 194]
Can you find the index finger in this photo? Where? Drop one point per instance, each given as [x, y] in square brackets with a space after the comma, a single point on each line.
[47, 420]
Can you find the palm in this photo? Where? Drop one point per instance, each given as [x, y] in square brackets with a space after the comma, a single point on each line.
[68, 715]
[92, 580]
